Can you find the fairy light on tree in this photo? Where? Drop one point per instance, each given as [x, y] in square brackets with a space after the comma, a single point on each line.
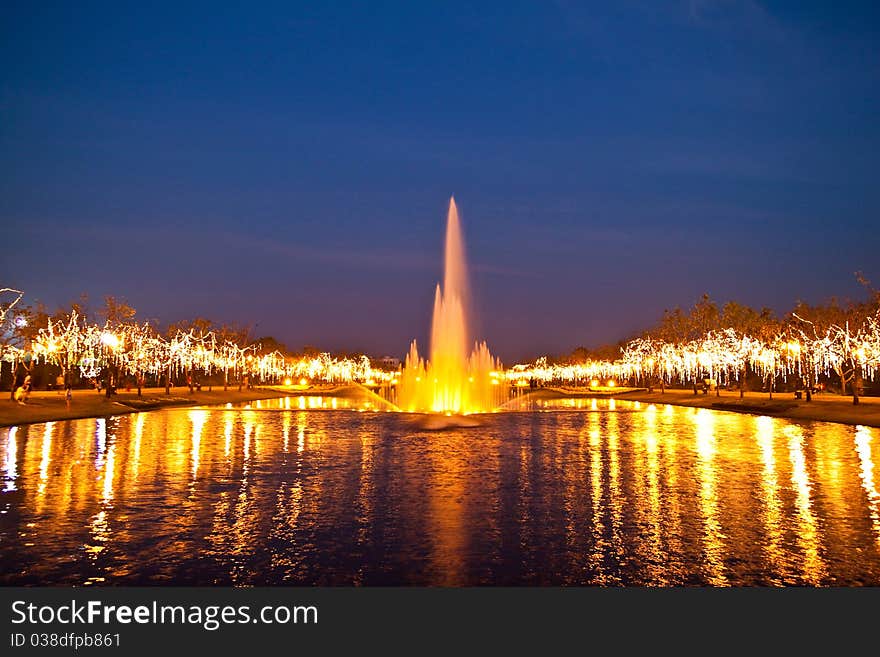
[812, 342]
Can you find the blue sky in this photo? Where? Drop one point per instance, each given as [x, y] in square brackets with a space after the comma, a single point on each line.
[288, 165]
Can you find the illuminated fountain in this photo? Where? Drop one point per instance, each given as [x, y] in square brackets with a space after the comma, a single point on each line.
[453, 380]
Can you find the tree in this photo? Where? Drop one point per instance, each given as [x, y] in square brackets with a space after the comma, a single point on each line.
[117, 315]
[745, 323]
[116, 312]
[11, 348]
[702, 318]
[64, 341]
[230, 345]
[181, 335]
[812, 328]
[680, 329]
[267, 345]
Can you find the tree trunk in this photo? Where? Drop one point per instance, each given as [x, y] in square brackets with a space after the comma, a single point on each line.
[843, 380]
[856, 383]
[168, 381]
[810, 386]
[14, 367]
[742, 382]
[225, 379]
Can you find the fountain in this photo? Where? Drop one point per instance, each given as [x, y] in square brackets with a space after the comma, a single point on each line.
[451, 381]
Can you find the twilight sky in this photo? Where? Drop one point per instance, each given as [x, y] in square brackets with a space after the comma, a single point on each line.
[288, 165]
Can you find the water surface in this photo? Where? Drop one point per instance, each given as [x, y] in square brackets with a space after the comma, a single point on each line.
[311, 491]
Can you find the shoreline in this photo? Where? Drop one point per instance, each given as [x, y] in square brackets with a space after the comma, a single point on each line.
[824, 407]
[50, 406]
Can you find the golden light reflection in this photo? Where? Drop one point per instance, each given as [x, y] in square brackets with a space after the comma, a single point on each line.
[770, 492]
[300, 432]
[139, 421]
[615, 493]
[227, 436]
[863, 439]
[99, 530]
[445, 511]
[713, 538]
[9, 465]
[672, 515]
[109, 471]
[655, 546]
[246, 447]
[629, 499]
[45, 454]
[198, 418]
[285, 432]
[101, 439]
[807, 532]
[597, 554]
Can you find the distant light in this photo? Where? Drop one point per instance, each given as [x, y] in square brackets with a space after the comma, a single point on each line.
[288, 381]
[303, 381]
[110, 340]
[611, 383]
[20, 321]
[594, 383]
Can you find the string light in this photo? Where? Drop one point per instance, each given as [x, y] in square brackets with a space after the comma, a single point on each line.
[801, 350]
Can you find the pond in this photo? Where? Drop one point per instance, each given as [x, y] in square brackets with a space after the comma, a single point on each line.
[329, 491]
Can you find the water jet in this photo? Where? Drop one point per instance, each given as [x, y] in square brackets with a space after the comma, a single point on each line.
[453, 380]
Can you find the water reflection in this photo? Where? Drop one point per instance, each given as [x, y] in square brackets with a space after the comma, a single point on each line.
[713, 538]
[655, 556]
[770, 494]
[44, 459]
[198, 418]
[284, 494]
[806, 526]
[615, 494]
[10, 460]
[863, 438]
[597, 470]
